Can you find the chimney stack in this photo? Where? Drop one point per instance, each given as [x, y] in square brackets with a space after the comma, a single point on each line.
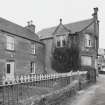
[30, 26]
[95, 14]
[60, 21]
[96, 10]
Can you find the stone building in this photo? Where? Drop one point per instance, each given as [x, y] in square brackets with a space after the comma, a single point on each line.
[101, 58]
[59, 36]
[21, 51]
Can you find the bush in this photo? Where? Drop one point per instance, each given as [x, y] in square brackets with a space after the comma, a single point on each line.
[66, 59]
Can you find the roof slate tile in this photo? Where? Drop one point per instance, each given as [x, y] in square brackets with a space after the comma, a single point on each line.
[17, 29]
[73, 27]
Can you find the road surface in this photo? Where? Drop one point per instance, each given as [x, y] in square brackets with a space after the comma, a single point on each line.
[94, 95]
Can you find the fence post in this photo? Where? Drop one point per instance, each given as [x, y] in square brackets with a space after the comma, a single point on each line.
[3, 90]
[8, 94]
[17, 93]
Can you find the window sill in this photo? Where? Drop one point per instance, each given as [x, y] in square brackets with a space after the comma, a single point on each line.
[61, 46]
[33, 54]
[32, 74]
[89, 47]
[10, 50]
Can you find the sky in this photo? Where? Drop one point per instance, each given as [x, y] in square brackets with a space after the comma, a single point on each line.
[46, 13]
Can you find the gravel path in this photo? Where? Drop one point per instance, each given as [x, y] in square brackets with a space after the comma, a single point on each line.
[94, 95]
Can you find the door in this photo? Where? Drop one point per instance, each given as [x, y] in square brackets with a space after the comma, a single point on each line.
[10, 70]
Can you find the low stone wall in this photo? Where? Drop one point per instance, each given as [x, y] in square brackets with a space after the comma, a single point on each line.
[56, 97]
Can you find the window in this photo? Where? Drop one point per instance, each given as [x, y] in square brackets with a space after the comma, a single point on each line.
[8, 68]
[10, 43]
[33, 47]
[88, 41]
[63, 42]
[33, 67]
[58, 43]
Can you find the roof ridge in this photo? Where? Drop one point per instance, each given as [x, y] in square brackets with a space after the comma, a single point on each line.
[15, 24]
[79, 21]
[17, 29]
[73, 27]
[66, 24]
[11, 22]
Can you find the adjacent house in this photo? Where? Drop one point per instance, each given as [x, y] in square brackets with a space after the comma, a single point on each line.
[21, 51]
[101, 58]
[87, 37]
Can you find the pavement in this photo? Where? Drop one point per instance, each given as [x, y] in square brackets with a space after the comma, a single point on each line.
[93, 95]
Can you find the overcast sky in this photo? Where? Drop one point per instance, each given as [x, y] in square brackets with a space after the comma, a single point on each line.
[46, 13]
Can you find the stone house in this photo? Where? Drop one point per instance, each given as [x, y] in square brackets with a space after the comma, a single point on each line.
[87, 32]
[101, 58]
[21, 51]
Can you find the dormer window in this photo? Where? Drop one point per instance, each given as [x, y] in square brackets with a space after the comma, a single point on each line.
[60, 41]
[63, 42]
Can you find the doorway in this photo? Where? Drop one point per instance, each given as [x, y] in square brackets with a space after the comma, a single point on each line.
[10, 70]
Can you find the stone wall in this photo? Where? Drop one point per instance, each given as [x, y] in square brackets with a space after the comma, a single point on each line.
[22, 55]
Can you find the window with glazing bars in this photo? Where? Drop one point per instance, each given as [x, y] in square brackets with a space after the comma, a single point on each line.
[33, 67]
[33, 48]
[58, 43]
[10, 43]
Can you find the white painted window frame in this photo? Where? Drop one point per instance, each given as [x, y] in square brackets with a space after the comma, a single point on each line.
[57, 43]
[10, 43]
[33, 48]
[88, 41]
[62, 37]
[33, 67]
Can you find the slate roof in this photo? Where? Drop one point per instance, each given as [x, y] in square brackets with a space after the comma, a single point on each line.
[61, 29]
[17, 29]
[73, 27]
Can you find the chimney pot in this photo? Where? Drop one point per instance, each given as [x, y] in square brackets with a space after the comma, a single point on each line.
[28, 23]
[95, 14]
[30, 26]
[60, 21]
[96, 9]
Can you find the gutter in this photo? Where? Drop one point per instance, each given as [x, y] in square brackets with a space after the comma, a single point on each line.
[21, 36]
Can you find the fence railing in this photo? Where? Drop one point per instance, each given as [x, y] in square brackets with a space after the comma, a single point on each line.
[38, 77]
[24, 87]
